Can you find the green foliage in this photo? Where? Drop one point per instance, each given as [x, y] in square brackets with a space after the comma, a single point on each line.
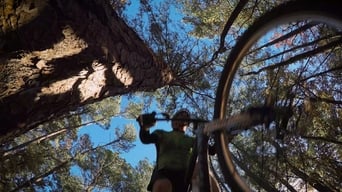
[207, 17]
[46, 165]
[54, 156]
[129, 133]
[132, 110]
[102, 111]
[158, 24]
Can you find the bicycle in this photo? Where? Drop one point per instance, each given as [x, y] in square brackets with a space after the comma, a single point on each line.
[197, 148]
[202, 129]
[298, 75]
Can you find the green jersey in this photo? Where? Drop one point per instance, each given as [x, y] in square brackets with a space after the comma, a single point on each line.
[173, 148]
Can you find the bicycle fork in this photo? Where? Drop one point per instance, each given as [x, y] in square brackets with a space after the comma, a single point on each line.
[202, 147]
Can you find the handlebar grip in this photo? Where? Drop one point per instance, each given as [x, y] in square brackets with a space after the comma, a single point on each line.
[147, 120]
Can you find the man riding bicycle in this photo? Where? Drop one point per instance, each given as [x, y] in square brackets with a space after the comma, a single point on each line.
[174, 149]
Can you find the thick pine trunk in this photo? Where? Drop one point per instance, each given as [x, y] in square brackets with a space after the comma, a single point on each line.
[58, 55]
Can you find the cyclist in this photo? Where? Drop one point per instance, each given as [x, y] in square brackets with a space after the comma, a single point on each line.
[173, 153]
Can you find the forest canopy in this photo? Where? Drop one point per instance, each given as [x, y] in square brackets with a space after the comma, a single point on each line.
[66, 65]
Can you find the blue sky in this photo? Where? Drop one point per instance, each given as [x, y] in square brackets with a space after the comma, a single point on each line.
[100, 136]
[141, 151]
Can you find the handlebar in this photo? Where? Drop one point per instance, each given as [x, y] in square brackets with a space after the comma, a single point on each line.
[252, 116]
[150, 118]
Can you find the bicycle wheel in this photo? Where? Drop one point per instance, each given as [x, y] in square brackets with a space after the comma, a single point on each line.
[291, 58]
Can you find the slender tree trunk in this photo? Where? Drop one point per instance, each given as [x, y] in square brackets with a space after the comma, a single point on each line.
[57, 55]
[60, 166]
[21, 147]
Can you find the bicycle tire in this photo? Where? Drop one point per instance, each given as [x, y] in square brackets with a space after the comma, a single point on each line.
[324, 10]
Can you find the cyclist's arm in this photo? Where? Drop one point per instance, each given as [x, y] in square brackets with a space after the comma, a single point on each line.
[146, 121]
[146, 137]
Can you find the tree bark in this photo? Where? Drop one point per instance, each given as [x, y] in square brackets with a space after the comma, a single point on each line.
[57, 55]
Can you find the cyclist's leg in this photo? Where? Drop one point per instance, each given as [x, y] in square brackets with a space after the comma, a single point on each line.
[169, 180]
[159, 182]
[162, 185]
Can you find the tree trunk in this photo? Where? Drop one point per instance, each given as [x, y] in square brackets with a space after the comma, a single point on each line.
[57, 55]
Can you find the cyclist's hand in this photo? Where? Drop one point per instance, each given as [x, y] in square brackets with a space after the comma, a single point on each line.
[147, 120]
